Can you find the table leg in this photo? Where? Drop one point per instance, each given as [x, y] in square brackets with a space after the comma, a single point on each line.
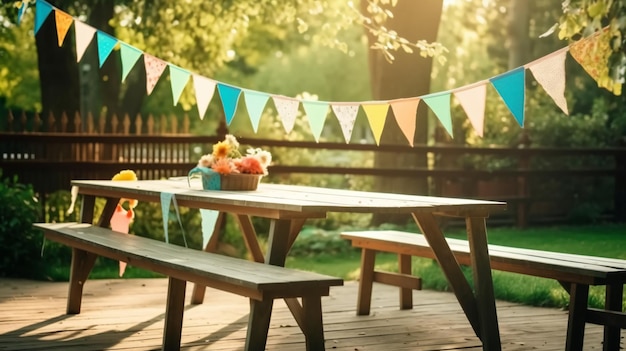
[278, 242]
[483, 282]
[479, 307]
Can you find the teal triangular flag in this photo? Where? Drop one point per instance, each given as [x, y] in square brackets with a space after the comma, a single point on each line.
[512, 86]
[440, 104]
[178, 78]
[255, 104]
[106, 43]
[230, 98]
[209, 220]
[130, 55]
[42, 10]
[316, 113]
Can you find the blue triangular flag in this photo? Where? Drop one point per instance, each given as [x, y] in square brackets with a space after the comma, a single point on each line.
[106, 43]
[230, 98]
[42, 11]
[512, 86]
[20, 11]
[130, 55]
[209, 220]
[178, 80]
[255, 104]
[316, 113]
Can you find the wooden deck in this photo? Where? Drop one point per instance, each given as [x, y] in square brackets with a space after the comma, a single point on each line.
[128, 315]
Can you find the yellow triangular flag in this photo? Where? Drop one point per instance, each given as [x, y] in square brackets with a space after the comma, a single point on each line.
[376, 116]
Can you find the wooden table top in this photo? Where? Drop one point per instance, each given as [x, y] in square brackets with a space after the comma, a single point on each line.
[283, 201]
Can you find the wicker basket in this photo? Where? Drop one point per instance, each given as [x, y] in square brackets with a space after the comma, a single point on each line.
[240, 181]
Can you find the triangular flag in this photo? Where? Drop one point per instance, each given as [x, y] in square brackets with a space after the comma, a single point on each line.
[209, 221]
[130, 55]
[42, 10]
[472, 99]
[230, 99]
[84, 34]
[178, 79]
[63, 21]
[511, 86]
[154, 69]
[120, 222]
[592, 53]
[346, 115]
[255, 104]
[205, 88]
[439, 103]
[376, 116]
[550, 73]
[405, 111]
[287, 110]
[106, 43]
[316, 113]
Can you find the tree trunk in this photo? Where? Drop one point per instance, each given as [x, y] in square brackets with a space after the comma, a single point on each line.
[407, 76]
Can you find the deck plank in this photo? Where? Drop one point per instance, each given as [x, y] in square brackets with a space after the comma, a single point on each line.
[127, 314]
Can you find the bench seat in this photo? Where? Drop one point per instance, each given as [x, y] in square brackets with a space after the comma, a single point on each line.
[261, 283]
[574, 272]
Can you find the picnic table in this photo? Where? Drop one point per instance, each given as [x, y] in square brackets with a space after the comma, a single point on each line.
[289, 206]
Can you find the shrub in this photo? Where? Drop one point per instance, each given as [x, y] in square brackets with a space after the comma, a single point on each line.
[20, 244]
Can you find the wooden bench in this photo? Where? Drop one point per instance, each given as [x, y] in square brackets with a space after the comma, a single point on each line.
[261, 283]
[574, 272]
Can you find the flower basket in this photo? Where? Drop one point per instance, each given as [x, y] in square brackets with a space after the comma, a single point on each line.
[239, 181]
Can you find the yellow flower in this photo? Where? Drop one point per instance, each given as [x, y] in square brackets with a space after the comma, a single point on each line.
[221, 149]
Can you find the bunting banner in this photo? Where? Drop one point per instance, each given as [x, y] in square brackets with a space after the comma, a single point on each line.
[440, 105]
[316, 112]
[376, 116]
[21, 10]
[84, 35]
[405, 112]
[472, 99]
[549, 71]
[511, 86]
[255, 104]
[346, 115]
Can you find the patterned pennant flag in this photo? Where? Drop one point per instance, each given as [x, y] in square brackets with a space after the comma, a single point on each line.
[63, 21]
[230, 99]
[154, 69]
[130, 55]
[287, 110]
[84, 34]
[106, 43]
[405, 111]
[473, 99]
[205, 88]
[255, 104]
[316, 112]
[592, 53]
[439, 103]
[511, 87]
[42, 10]
[376, 116]
[346, 115]
[549, 72]
[178, 79]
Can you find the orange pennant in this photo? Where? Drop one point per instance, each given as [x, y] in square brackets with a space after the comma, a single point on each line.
[405, 111]
[63, 21]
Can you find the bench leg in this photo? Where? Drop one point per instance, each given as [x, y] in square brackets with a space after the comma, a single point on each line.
[174, 311]
[366, 280]
[613, 302]
[314, 333]
[579, 295]
[406, 295]
[258, 324]
[82, 263]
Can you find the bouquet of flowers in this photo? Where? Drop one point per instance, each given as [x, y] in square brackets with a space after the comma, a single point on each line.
[226, 168]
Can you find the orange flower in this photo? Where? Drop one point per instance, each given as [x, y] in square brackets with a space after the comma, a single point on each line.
[250, 165]
[224, 166]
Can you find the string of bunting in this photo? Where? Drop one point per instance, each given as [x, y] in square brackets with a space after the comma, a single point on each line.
[548, 71]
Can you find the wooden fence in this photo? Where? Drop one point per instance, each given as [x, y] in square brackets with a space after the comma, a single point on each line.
[539, 184]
